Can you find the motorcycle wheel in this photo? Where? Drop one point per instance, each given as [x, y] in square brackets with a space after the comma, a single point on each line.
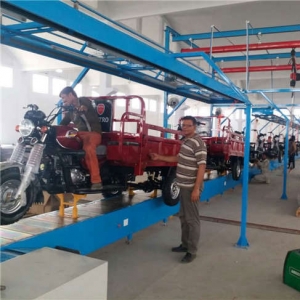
[170, 190]
[113, 180]
[12, 211]
[113, 193]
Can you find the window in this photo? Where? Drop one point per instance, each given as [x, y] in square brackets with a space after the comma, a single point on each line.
[57, 85]
[95, 94]
[120, 102]
[204, 111]
[136, 103]
[162, 105]
[188, 112]
[297, 112]
[77, 89]
[6, 77]
[152, 105]
[40, 83]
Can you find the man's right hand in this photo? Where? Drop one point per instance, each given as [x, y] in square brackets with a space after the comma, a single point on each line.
[154, 156]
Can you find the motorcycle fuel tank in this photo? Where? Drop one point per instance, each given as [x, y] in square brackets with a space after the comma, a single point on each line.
[66, 137]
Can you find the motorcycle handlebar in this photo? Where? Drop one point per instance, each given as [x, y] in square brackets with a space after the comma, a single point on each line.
[70, 108]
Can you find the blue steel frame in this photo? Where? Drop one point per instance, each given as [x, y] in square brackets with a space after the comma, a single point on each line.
[235, 33]
[284, 194]
[54, 15]
[91, 234]
[125, 56]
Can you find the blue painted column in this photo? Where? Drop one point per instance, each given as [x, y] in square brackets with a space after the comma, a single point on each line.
[167, 49]
[285, 160]
[242, 242]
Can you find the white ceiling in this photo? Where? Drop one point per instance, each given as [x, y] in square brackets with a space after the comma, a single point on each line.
[188, 17]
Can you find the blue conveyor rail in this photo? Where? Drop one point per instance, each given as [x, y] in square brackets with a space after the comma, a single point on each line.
[58, 30]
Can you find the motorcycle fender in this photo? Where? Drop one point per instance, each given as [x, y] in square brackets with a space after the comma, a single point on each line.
[10, 165]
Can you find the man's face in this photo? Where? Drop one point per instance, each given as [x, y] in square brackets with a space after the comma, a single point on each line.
[188, 128]
[67, 99]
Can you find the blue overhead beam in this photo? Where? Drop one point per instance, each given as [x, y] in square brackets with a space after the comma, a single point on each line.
[64, 18]
[84, 61]
[173, 32]
[235, 33]
[273, 91]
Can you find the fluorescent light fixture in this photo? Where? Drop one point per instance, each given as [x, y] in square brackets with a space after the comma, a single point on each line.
[82, 56]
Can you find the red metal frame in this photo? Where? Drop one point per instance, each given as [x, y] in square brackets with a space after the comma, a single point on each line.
[132, 149]
[258, 69]
[243, 47]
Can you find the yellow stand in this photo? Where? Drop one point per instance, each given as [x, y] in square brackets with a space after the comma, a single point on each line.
[154, 194]
[131, 192]
[298, 212]
[62, 201]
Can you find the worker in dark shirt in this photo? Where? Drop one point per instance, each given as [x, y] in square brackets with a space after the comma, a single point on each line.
[85, 119]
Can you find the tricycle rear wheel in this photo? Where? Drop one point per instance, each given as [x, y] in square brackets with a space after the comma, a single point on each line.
[236, 168]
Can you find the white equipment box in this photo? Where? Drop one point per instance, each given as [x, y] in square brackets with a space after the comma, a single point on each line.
[54, 274]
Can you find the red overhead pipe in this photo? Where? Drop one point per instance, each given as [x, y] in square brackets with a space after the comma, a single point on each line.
[258, 69]
[238, 48]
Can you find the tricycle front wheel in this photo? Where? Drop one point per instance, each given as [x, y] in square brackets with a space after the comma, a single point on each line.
[170, 190]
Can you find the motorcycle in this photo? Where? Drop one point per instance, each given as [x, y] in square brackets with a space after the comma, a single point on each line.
[257, 149]
[55, 164]
[50, 158]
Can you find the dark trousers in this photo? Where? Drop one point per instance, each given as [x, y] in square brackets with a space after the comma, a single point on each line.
[190, 221]
[292, 161]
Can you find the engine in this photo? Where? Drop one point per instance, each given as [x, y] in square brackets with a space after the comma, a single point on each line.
[77, 176]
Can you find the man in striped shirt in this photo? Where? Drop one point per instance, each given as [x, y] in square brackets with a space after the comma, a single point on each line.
[189, 177]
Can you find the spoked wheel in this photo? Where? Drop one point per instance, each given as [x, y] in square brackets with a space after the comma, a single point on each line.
[170, 190]
[11, 209]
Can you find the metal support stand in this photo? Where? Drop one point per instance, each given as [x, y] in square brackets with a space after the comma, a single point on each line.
[131, 191]
[153, 194]
[73, 203]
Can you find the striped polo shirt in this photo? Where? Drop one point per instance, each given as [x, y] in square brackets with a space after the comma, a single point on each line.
[192, 154]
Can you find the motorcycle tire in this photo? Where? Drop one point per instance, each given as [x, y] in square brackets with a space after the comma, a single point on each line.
[14, 178]
[113, 193]
[170, 190]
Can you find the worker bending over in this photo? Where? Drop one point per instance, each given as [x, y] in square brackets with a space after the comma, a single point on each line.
[263, 165]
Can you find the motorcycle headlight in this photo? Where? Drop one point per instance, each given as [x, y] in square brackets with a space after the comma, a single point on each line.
[26, 127]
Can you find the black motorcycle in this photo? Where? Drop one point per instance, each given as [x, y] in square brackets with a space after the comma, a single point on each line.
[46, 158]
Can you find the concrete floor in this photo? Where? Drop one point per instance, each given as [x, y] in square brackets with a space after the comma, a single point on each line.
[147, 269]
